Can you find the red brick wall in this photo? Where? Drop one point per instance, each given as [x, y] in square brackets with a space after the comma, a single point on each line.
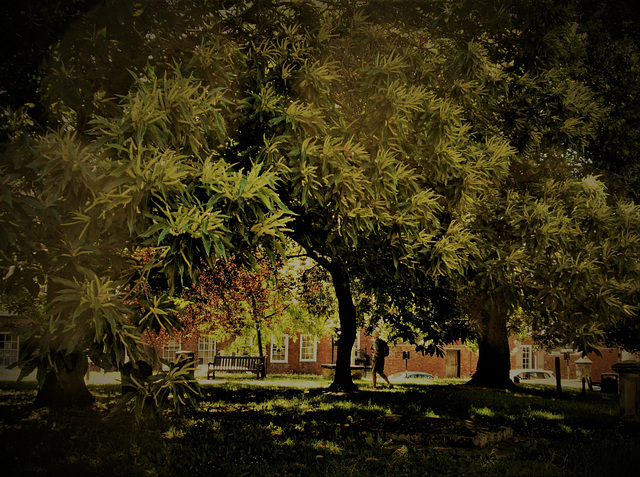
[603, 364]
[325, 354]
[294, 365]
[568, 368]
[425, 363]
[430, 364]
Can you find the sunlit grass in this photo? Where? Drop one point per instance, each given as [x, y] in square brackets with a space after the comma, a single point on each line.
[542, 414]
[481, 411]
[328, 447]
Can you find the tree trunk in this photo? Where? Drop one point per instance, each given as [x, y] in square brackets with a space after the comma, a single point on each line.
[493, 357]
[348, 325]
[65, 387]
[263, 373]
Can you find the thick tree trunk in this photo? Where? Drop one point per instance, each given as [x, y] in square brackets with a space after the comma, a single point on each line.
[493, 358]
[66, 387]
[348, 326]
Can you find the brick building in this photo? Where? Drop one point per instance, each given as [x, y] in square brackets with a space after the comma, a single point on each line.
[9, 338]
[305, 354]
[524, 355]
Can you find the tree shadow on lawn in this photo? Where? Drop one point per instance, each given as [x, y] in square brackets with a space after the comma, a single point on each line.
[73, 442]
[261, 429]
[435, 415]
[529, 428]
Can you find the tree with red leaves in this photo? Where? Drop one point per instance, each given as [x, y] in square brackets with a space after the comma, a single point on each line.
[232, 300]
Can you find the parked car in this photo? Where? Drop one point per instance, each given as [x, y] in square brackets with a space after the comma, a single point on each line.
[410, 376]
[532, 375]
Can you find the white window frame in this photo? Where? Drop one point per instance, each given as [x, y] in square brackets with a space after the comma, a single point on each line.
[9, 355]
[284, 346]
[314, 349]
[527, 356]
[207, 347]
[169, 350]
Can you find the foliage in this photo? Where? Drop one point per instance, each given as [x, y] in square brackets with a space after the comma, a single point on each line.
[591, 279]
[174, 390]
[374, 152]
[230, 300]
[624, 333]
[413, 310]
[30, 28]
[113, 175]
[421, 138]
[83, 317]
[612, 67]
[537, 245]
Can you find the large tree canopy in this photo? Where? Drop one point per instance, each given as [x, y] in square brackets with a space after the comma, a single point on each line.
[412, 140]
[525, 70]
[235, 127]
[114, 175]
[612, 70]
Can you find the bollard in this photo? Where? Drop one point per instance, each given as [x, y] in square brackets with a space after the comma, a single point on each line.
[583, 366]
[629, 391]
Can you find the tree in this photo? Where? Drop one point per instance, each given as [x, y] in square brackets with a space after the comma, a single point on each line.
[230, 300]
[239, 123]
[371, 153]
[115, 176]
[612, 63]
[263, 110]
[519, 68]
[565, 258]
[550, 117]
[612, 67]
[554, 159]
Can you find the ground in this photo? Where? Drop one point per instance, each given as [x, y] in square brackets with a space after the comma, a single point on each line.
[292, 425]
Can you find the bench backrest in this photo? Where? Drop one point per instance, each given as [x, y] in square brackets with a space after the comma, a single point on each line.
[241, 362]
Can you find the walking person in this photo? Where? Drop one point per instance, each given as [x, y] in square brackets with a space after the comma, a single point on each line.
[380, 350]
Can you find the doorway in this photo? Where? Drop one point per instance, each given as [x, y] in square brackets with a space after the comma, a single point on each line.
[452, 367]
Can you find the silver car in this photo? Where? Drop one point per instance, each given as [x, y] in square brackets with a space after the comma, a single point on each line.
[532, 375]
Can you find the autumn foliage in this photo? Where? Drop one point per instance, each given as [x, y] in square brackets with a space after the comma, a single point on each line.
[230, 297]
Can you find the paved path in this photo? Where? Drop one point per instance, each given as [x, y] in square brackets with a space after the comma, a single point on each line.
[98, 377]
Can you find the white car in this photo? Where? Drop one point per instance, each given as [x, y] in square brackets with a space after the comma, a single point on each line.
[410, 376]
[532, 376]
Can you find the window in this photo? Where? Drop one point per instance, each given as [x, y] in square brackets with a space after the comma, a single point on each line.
[280, 350]
[8, 349]
[308, 348]
[526, 357]
[206, 351]
[170, 349]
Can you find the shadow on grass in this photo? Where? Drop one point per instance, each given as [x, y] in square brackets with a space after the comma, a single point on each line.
[244, 428]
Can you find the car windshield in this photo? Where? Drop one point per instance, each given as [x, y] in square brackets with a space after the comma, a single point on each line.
[534, 375]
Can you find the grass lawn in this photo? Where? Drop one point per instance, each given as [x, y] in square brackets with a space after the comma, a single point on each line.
[292, 426]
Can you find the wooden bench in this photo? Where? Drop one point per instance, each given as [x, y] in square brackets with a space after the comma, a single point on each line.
[237, 364]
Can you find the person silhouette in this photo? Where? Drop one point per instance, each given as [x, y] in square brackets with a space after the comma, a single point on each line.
[380, 350]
